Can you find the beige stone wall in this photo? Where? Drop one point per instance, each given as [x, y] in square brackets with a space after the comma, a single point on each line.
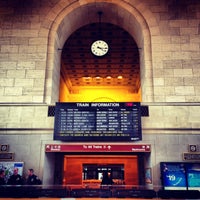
[169, 129]
[17, 118]
[172, 119]
[31, 33]
[163, 118]
[30, 149]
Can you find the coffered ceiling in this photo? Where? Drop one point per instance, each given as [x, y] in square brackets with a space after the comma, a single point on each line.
[118, 68]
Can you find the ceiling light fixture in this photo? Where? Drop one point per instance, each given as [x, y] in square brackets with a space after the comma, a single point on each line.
[120, 77]
[87, 78]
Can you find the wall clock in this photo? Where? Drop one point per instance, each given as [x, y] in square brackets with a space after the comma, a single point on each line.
[99, 48]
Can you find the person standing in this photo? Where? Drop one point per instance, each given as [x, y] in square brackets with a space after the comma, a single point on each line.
[32, 178]
[107, 179]
[2, 177]
[15, 179]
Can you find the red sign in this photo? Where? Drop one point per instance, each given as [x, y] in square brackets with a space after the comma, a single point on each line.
[97, 148]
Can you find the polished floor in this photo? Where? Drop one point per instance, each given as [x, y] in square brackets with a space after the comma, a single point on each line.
[71, 198]
[94, 198]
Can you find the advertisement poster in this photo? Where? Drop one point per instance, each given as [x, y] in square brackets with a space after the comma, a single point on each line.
[173, 176]
[148, 176]
[8, 167]
[193, 176]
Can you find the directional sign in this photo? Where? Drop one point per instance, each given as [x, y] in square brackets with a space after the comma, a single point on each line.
[98, 147]
[191, 156]
[6, 156]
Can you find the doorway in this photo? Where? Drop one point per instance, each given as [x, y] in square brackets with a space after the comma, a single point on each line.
[96, 171]
[74, 167]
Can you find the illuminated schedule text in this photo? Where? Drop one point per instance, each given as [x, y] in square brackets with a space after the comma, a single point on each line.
[98, 122]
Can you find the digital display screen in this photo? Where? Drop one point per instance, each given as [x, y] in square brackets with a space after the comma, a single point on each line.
[79, 122]
[180, 176]
[173, 176]
[193, 176]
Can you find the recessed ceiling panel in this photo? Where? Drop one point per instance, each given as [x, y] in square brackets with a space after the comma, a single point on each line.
[119, 67]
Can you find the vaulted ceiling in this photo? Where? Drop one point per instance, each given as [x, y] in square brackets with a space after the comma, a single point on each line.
[118, 68]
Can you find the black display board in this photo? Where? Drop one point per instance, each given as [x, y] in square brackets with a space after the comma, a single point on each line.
[114, 122]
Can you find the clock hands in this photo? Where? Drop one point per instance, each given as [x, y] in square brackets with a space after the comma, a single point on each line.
[102, 48]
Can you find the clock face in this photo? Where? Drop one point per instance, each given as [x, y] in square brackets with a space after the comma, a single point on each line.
[99, 48]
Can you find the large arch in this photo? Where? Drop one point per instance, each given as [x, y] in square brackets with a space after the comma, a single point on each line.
[66, 18]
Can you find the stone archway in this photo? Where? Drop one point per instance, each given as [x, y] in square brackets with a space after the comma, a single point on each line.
[69, 17]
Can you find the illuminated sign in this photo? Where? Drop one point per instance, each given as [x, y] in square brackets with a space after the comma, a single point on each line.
[84, 122]
[180, 175]
[98, 148]
[173, 176]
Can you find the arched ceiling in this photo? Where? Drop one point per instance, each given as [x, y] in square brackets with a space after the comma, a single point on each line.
[118, 68]
[74, 16]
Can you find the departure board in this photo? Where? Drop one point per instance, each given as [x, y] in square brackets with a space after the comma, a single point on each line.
[87, 122]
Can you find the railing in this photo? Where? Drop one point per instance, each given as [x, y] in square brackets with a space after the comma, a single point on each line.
[105, 191]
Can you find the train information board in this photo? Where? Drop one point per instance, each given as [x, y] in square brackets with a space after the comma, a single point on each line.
[114, 122]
